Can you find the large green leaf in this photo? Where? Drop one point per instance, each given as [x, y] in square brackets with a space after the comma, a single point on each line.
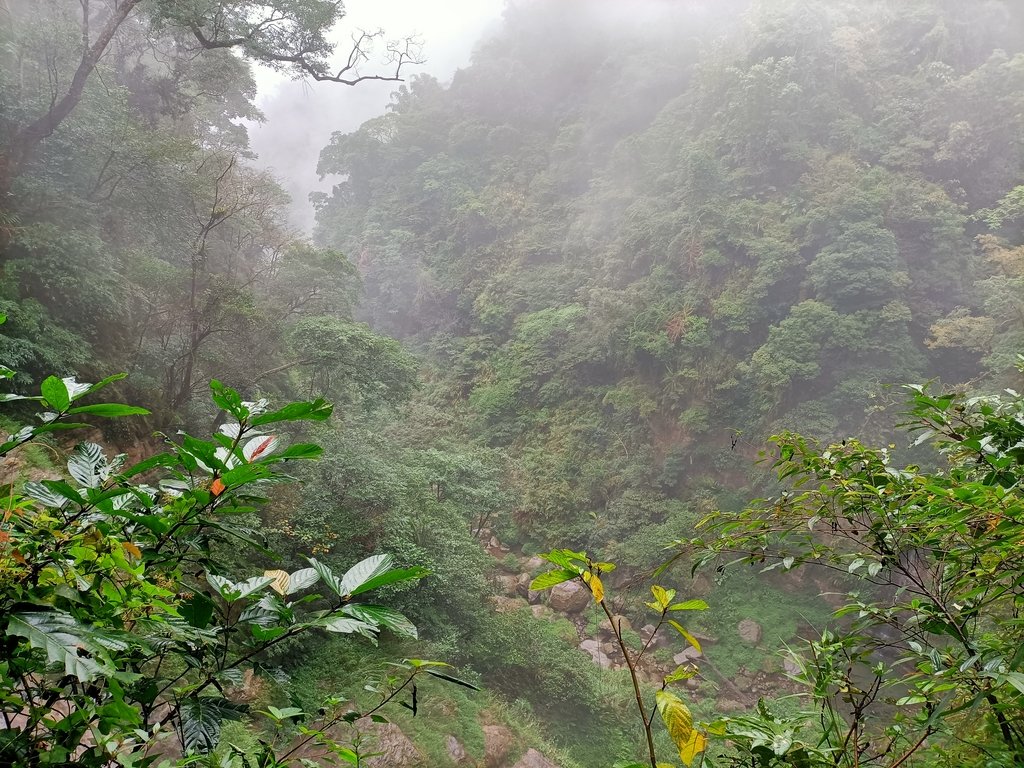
[552, 578]
[201, 721]
[65, 641]
[56, 394]
[363, 571]
[88, 465]
[385, 617]
[109, 410]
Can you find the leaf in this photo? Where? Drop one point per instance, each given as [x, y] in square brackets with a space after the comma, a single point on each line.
[325, 573]
[279, 581]
[662, 597]
[363, 571]
[317, 410]
[260, 446]
[88, 465]
[201, 720]
[65, 641]
[385, 617]
[689, 638]
[131, 549]
[301, 579]
[346, 625]
[393, 577]
[109, 410]
[596, 587]
[679, 723]
[689, 605]
[217, 487]
[55, 392]
[451, 679]
[301, 451]
[232, 591]
[551, 578]
[197, 610]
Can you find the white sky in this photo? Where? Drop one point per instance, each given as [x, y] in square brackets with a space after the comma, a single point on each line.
[449, 29]
[301, 116]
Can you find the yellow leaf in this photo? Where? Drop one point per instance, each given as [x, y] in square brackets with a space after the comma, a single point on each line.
[679, 722]
[689, 638]
[596, 587]
[280, 581]
[131, 549]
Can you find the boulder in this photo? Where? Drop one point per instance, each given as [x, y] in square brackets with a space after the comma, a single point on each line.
[536, 564]
[498, 742]
[569, 597]
[456, 751]
[749, 631]
[790, 666]
[523, 585]
[503, 604]
[541, 612]
[507, 584]
[396, 751]
[593, 647]
[534, 759]
[686, 656]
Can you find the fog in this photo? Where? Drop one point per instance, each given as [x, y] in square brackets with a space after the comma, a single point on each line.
[653, 367]
[301, 115]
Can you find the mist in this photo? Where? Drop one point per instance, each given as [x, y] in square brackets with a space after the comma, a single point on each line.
[511, 383]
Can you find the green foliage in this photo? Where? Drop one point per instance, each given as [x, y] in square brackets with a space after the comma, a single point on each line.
[926, 644]
[120, 616]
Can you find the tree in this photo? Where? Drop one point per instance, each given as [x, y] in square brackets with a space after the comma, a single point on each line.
[292, 36]
[926, 652]
[120, 612]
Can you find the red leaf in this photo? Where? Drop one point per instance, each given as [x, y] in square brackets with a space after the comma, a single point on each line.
[217, 487]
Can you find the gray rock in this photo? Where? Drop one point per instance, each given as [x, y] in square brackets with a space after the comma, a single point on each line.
[534, 759]
[507, 584]
[569, 597]
[456, 751]
[536, 564]
[541, 612]
[750, 631]
[790, 666]
[686, 656]
[498, 742]
[593, 647]
[396, 751]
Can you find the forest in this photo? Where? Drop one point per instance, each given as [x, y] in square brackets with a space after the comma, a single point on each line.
[647, 393]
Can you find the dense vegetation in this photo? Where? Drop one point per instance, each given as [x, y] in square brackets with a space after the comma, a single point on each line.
[560, 302]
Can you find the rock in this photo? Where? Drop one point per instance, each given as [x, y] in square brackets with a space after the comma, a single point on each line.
[534, 759]
[494, 543]
[569, 597]
[498, 742]
[686, 656]
[541, 612]
[620, 621]
[396, 751]
[523, 585]
[701, 586]
[610, 648]
[647, 630]
[507, 584]
[593, 647]
[503, 604]
[790, 666]
[729, 705]
[535, 564]
[456, 751]
[750, 631]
